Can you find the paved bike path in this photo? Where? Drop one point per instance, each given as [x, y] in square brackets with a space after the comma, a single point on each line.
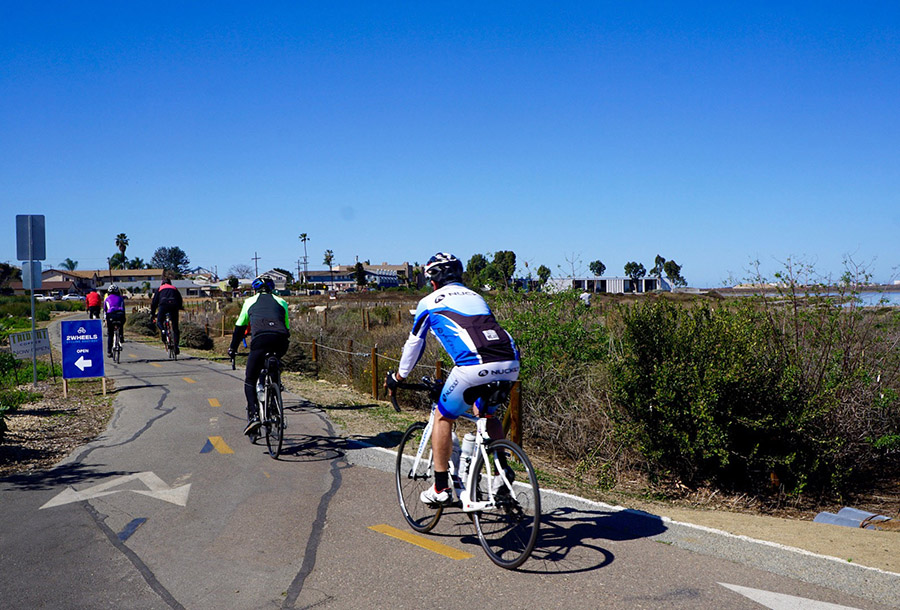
[229, 540]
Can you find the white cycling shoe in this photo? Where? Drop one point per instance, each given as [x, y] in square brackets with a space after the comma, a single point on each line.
[435, 497]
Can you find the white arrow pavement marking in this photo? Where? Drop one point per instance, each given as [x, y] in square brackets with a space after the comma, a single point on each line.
[157, 488]
[82, 364]
[780, 601]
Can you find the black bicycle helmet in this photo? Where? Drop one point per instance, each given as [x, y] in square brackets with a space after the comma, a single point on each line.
[443, 268]
[263, 284]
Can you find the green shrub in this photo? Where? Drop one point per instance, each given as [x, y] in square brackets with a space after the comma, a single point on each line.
[194, 335]
[140, 323]
[709, 399]
[296, 358]
[716, 395]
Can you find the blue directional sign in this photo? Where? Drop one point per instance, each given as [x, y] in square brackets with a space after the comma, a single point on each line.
[82, 348]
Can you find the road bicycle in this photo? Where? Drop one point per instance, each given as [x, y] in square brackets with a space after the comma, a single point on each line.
[271, 406]
[116, 329]
[171, 346]
[497, 488]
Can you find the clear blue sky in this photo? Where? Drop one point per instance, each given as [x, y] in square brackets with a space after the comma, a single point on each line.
[713, 134]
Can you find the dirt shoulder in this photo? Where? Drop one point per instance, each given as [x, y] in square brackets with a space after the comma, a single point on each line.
[43, 432]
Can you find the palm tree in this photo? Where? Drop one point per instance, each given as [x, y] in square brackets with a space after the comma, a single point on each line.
[329, 257]
[137, 263]
[122, 243]
[69, 264]
[118, 261]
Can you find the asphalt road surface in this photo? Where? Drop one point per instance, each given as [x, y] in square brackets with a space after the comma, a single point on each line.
[172, 507]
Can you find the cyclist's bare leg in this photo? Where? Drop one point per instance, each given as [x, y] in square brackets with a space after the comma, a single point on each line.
[442, 442]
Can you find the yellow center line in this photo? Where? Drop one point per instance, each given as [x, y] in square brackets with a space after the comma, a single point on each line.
[156, 364]
[189, 380]
[425, 543]
[132, 355]
[214, 402]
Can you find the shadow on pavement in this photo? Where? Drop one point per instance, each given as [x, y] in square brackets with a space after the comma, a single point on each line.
[571, 540]
[314, 448]
[60, 476]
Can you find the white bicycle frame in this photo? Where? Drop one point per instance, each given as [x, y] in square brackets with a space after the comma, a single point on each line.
[481, 440]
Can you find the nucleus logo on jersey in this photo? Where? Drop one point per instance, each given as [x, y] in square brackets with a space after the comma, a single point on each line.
[483, 373]
[449, 390]
[439, 298]
[512, 369]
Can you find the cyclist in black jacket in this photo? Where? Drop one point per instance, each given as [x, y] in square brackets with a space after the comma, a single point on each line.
[267, 316]
[166, 300]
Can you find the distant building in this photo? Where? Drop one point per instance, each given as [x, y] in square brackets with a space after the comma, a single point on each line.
[343, 277]
[57, 282]
[281, 279]
[609, 285]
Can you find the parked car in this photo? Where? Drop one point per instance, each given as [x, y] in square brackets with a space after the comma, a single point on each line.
[73, 297]
[43, 297]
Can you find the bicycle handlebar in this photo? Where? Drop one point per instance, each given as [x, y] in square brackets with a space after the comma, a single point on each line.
[427, 384]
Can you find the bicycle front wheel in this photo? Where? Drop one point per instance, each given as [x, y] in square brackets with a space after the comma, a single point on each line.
[170, 341]
[413, 479]
[274, 421]
[509, 531]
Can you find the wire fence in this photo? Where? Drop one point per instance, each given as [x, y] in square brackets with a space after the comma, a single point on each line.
[371, 361]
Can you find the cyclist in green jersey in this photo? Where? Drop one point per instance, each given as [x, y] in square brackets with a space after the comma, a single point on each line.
[267, 316]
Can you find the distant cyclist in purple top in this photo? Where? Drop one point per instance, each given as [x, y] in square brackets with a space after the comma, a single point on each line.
[114, 312]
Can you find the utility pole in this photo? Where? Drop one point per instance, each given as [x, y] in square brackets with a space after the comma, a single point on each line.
[255, 260]
[305, 238]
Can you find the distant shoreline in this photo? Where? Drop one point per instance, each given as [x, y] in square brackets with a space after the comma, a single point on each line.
[770, 288]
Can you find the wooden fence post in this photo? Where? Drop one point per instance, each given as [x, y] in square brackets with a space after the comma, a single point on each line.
[515, 414]
[375, 372]
[315, 357]
[438, 370]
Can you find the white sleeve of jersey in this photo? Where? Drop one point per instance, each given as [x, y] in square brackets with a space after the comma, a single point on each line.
[415, 343]
[412, 351]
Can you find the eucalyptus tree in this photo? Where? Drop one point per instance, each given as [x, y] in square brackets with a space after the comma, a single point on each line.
[597, 268]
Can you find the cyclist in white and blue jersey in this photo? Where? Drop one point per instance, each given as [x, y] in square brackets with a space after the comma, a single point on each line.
[481, 350]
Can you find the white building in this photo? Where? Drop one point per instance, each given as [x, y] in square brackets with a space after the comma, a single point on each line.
[609, 285]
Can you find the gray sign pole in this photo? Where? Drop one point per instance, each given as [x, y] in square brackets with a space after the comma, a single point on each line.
[33, 329]
[30, 244]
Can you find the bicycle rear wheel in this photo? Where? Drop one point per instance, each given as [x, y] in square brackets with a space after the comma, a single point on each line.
[274, 421]
[509, 531]
[117, 345]
[170, 340]
[411, 482]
